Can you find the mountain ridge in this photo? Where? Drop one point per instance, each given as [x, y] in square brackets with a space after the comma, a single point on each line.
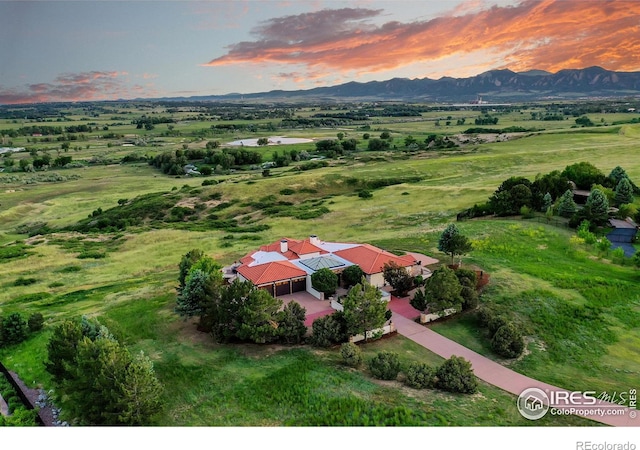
[499, 85]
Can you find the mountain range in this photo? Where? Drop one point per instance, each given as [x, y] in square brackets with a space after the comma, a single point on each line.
[494, 86]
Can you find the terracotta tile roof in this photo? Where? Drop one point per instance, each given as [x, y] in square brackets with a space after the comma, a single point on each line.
[372, 259]
[271, 272]
[304, 248]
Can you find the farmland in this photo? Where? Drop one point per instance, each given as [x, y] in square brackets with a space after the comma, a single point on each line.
[102, 236]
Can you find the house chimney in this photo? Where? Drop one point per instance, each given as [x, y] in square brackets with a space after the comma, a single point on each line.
[313, 239]
[284, 246]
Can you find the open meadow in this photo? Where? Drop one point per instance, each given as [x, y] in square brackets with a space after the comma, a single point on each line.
[103, 238]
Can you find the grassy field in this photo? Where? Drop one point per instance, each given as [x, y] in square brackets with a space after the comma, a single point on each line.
[580, 312]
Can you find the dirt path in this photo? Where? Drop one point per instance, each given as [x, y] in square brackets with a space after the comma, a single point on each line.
[490, 371]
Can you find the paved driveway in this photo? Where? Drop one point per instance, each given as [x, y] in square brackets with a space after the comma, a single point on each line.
[490, 371]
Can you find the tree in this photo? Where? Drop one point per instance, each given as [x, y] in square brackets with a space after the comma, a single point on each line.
[566, 206]
[469, 293]
[193, 298]
[349, 145]
[258, 317]
[325, 281]
[583, 174]
[456, 375]
[624, 192]
[141, 392]
[385, 365]
[190, 258]
[597, 207]
[109, 387]
[263, 141]
[398, 278]
[364, 309]
[200, 292]
[547, 201]
[291, 327]
[507, 341]
[329, 330]
[14, 329]
[419, 300]
[62, 350]
[352, 275]
[442, 290]
[377, 145]
[453, 243]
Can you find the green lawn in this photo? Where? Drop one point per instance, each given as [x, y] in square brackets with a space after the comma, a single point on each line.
[580, 312]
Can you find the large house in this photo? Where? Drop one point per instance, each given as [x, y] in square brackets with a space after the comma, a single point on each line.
[286, 266]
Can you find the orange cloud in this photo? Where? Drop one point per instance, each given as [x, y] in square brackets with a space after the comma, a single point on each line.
[84, 86]
[533, 34]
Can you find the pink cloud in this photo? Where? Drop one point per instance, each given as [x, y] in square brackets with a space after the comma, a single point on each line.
[540, 34]
[84, 86]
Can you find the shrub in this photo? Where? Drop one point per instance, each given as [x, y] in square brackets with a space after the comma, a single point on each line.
[420, 375]
[287, 191]
[617, 255]
[351, 354]
[526, 212]
[14, 329]
[496, 323]
[385, 365]
[507, 341]
[35, 322]
[91, 254]
[456, 375]
[470, 298]
[21, 281]
[209, 182]
[365, 194]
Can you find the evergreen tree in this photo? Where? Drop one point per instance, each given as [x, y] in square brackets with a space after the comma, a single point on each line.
[189, 259]
[62, 350]
[258, 317]
[617, 174]
[566, 206]
[291, 327]
[597, 207]
[547, 201]
[364, 309]
[624, 192]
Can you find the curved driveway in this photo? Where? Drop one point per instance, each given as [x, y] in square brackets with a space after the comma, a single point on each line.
[492, 372]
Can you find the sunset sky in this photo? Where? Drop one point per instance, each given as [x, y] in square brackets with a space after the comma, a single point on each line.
[104, 50]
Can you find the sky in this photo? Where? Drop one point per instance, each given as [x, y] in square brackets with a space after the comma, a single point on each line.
[87, 50]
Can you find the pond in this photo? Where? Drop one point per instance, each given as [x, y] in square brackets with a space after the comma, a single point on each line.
[273, 140]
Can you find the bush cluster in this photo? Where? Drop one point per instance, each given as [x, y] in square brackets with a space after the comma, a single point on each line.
[506, 338]
[453, 375]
